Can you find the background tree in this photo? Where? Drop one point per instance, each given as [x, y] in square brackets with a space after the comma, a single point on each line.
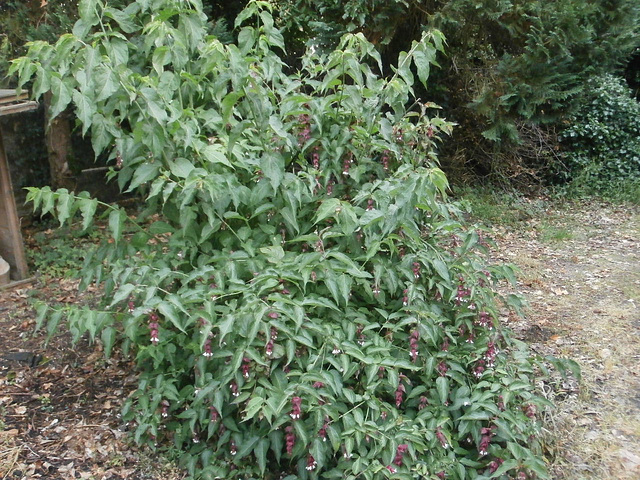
[512, 72]
[33, 20]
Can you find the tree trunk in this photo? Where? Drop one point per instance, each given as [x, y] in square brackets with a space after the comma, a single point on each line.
[58, 138]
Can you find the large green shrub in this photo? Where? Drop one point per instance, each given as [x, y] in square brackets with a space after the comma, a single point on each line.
[602, 141]
[304, 303]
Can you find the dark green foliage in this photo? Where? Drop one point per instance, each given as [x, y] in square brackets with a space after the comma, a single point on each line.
[602, 141]
[511, 66]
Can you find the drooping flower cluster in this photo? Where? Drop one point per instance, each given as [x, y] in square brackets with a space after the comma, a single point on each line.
[485, 440]
[311, 463]
[441, 438]
[347, 164]
[154, 328]
[165, 408]
[360, 334]
[234, 389]
[491, 354]
[385, 160]
[207, 348]
[214, 414]
[246, 367]
[273, 336]
[413, 345]
[305, 131]
[296, 403]
[484, 320]
[462, 293]
[495, 464]
[399, 395]
[416, 270]
[322, 433]
[400, 451]
[289, 439]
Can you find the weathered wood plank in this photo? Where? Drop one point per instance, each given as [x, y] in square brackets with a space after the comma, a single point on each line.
[17, 108]
[8, 96]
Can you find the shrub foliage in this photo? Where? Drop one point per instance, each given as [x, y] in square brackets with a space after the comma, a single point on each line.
[602, 142]
[301, 299]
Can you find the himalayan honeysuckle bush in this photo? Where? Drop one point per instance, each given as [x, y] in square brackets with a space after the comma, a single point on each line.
[301, 299]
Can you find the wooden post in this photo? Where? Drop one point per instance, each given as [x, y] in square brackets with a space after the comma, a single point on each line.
[11, 246]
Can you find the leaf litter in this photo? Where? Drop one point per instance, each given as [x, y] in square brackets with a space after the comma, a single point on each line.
[583, 296]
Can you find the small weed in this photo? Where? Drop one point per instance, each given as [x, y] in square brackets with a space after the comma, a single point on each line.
[554, 233]
[60, 253]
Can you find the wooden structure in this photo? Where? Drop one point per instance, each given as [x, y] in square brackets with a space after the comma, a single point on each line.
[11, 245]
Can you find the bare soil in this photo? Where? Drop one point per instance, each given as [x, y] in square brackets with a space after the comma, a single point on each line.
[60, 403]
[580, 274]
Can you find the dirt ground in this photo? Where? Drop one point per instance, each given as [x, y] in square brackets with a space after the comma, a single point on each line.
[60, 404]
[580, 274]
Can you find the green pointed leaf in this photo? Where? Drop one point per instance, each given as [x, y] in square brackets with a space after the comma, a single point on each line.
[106, 82]
[261, 454]
[253, 407]
[442, 386]
[88, 208]
[65, 206]
[214, 154]
[61, 95]
[116, 223]
[108, 337]
[328, 208]
[84, 110]
[181, 167]
[169, 312]
[143, 174]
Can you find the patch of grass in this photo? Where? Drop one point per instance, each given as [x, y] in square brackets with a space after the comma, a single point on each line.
[498, 207]
[554, 233]
[620, 190]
